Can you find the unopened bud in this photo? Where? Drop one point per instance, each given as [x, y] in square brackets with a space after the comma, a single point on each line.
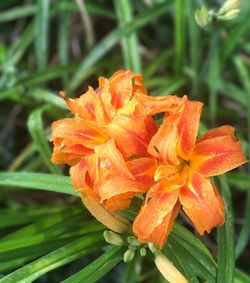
[230, 15]
[229, 5]
[153, 248]
[133, 241]
[202, 17]
[113, 238]
[128, 255]
[143, 251]
[168, 270]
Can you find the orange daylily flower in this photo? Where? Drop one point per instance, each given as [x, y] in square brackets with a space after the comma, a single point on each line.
[185, 163]
[108, 112]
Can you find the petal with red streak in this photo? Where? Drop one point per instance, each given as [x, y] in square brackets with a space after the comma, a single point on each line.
[109, 153]
[202, 203]
[157, 207]
[188, 128]
[84, 105]
[119, 187]
[163, 143]
[225, 130]
[131, 135]
[215, 156]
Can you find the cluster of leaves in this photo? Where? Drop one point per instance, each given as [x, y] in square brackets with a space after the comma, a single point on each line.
[52, 45]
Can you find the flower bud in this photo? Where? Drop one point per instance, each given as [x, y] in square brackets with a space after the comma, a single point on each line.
[133, 241]
[113, 238]
[168, 270]
[202, 17]
[143, 251]
[229, 5]
[230, 15]
[128, 255]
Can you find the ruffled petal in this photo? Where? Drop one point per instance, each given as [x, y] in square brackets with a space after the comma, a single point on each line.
[118, 187]
[109, 153]
[160, 234]
[84, 106]
[225, 130]
[158, 207]
[188, 128]
[91, 200]
[163, 143]
[202, 203]
[149, 105]
[78, 131]
[217, 155]
[131, 135]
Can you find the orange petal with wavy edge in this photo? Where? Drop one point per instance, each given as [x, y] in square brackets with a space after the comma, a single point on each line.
[84, 105]
[131, 135]
[91, 200]
[78, 131]
[225, 130]
[188, 128]
[150, 105]
[215, 156]
[157, 207]
[109, 153]
[119, 187]
[160, 234]
[163, 143]
[66, 152]
[202, 203]
[122, 86]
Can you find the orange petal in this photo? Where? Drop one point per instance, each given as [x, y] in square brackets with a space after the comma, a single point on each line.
[163, 143]
[217, 155]
[188, 128]
[122, 86]
[84, 105]
[131, 135]
[150, 105]
[157, 207]
[202, 203]
[78, 131]
[160, 234]
[66, 152]
[225, 130]
[91, 200]
[109, 153]
[116, 186]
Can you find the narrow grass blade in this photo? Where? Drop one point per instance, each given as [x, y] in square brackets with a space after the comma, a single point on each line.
[42, 28]
[226, 245]
[245, 230]
[98, 268]
[55, 259]
[130, 44]
[38, 181]
[112, 38]
[179, 36]
[17, 13]
[35, 126]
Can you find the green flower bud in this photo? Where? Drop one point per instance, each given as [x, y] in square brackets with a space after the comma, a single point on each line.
[128, 255]
[143, 251]
[113, 238]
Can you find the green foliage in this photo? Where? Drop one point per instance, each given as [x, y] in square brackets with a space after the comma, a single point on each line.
[47, 232]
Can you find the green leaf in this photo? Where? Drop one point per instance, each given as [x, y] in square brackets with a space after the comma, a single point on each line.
[112, 38]
[17, 13]
[42, 30]
[98, 268]
[55, 259]
[130, 45]
[38, 181]
[35, 126]
[179, 35]
[226, 245]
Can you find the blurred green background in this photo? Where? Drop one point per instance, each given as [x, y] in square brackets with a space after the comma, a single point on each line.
[52, 45]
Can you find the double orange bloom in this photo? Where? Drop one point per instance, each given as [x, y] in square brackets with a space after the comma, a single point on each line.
[116, 152]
